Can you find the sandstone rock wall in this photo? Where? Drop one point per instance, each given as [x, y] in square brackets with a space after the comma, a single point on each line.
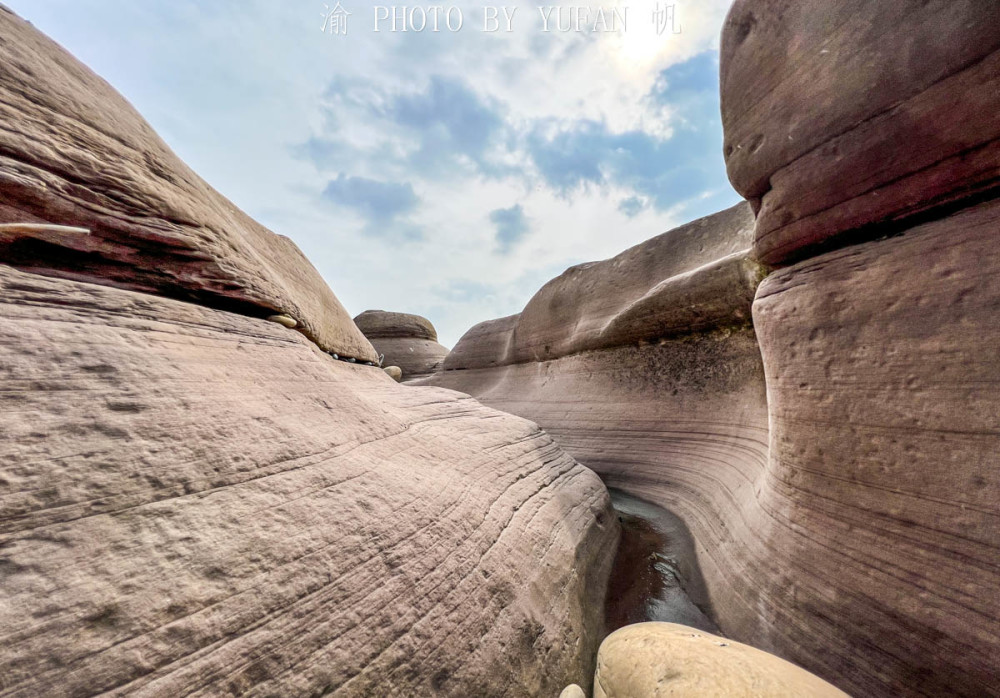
[837, 461]
[74, 152]
[404, 340]
[884, 387]
[853, 114]
[195, 501]
[200, 502]
[680, 420]
[692, 278]
[868, 123]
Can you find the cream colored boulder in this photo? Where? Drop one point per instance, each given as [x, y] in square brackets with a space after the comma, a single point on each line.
[663, 659]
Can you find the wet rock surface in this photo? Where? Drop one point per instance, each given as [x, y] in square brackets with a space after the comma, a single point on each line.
[655, 576]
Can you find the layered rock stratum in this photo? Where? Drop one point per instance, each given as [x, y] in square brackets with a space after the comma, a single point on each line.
[835, 455]
[195, 500]
[403, 340]
[74, 153]
[843, 119]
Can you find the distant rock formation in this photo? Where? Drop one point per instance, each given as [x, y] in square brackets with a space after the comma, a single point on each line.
[837, 460]
[198, 500]
[407, 341]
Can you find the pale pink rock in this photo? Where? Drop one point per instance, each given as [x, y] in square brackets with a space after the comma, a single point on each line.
[79, 156]
[197, 501]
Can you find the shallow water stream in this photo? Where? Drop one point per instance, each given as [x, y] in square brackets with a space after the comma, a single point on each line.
[655, 575]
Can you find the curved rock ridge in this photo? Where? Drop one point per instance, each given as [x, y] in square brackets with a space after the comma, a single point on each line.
[484, 346]
[74, 153]
[836, 463]
[660, 659]
[196, 502]
[696, 277]
[404, 340]
[843, 117]
[646, 292]
[682, 423]
[680, 420]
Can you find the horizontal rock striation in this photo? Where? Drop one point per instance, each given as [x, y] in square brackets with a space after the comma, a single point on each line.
[74, 153]
[836, 462]
[884, 387]
[841, 117]
[404, 340]
[863, 131]
[195, 501]
[677, 417]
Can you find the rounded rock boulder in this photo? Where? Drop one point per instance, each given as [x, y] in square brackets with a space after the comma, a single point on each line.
[407, 341]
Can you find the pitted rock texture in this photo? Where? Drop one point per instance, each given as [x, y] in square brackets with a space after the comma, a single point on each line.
[884, 385]
[196, 502]
[839, 476]
[663, 659]
[73, 152]
[843, 116]
[407, 341]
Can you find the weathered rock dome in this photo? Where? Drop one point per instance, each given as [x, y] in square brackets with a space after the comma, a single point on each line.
[406, 340]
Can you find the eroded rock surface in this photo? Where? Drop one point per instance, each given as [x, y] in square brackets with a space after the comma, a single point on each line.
[405, 340]
[73, 152]
[679, 420]
[200, 502]
[841, 116]
[664, 659]
[838, 475]
[196, 498]
[694, 277]
[864, 131]
[884, 387]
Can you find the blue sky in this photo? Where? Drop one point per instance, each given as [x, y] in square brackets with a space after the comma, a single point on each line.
[445, 174]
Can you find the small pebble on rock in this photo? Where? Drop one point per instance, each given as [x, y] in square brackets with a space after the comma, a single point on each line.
[285, 320]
